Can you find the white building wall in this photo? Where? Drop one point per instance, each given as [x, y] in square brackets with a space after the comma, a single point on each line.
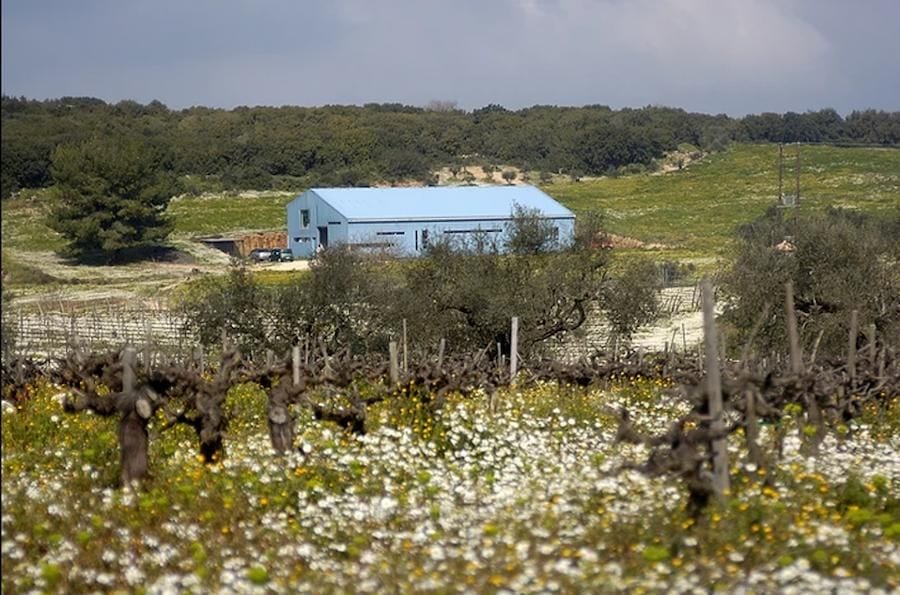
[405, 238]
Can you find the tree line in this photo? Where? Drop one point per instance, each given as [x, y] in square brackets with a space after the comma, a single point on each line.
[293, 147]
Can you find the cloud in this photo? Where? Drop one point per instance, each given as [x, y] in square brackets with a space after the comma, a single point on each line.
[734, 56]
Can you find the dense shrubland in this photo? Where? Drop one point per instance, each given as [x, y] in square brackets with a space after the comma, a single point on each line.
[298, 147]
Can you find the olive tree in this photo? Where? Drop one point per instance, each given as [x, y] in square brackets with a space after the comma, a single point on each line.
[529, 232]
[838, 261]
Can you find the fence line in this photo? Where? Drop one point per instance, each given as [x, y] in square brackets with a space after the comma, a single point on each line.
[53, 333]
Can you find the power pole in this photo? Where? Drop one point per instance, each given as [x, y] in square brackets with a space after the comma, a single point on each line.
[780, 173]
[790, 200]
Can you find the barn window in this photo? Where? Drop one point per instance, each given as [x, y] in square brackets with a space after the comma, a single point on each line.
[390, 233]
[472, 231]
[304, 218]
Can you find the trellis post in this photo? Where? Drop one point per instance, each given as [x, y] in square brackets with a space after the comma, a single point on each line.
[514, 350]
[793, 334]
[851, 344]
[405, 349]
[714, 392]
[395, 375]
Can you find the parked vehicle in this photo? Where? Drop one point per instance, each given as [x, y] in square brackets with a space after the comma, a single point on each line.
[281, 255]
[260, 255]
[285, 255]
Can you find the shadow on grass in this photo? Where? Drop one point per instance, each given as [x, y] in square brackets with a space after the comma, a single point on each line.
[142, 254]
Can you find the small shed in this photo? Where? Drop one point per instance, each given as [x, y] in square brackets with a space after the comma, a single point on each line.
[241, 245]
[407, 220]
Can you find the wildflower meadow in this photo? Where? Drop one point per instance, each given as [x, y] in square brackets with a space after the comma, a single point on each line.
[525, 492]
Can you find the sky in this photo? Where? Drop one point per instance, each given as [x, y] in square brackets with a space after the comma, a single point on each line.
[711, 56]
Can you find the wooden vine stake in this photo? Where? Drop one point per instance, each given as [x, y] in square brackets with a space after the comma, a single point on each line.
[514, 350]
[752, 429]
[198, 357]
[813, 414]
[148, 343]
[128, 371]
[793, 334]
[851, 345]
[394, 372]
[441, 347]
[815, 349]
[405, 349]
[870, 339]
[714, 392]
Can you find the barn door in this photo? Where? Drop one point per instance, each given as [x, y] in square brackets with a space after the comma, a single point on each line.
[323, 236]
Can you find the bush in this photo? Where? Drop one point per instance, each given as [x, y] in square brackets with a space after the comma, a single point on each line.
[234, 304]
[465, 297]
[528, 232]
[838, 261]
[632, 298]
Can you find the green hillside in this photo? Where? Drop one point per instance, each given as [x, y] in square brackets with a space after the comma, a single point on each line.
[223, 214]
[696, 210]
[692, 212]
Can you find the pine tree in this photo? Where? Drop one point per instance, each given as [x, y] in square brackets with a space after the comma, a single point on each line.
[112, 197]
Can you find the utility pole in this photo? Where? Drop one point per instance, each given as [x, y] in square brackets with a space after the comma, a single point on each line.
[780, 173]
[794, 199]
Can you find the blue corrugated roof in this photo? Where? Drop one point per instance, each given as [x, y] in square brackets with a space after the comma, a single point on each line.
[438, 202]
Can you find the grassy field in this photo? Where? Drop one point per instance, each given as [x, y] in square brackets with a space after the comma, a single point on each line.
[528, 498]
[25, 223]
[695, 211]
[211, 215]
[690, 214]
[25, 217]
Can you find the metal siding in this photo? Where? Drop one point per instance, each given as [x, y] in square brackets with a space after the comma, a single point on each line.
[357, 231]
[320, 213]
[323, 214]
[305, 246]
[299, 248]
[439, 203]
[366, 233]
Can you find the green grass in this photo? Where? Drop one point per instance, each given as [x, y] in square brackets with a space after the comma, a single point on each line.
[695, 211]
[18, 273]
[222, 214]
[25, 217]
[692, 212]
[25, 223]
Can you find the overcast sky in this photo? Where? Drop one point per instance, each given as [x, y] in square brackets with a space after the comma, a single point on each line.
[713, 56]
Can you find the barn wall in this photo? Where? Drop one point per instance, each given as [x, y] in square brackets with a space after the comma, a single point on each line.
[408, 238]
[300, 240]
[404, 237]
[304, 241]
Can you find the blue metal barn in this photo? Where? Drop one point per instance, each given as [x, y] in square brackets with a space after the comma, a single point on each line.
[407, 220]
